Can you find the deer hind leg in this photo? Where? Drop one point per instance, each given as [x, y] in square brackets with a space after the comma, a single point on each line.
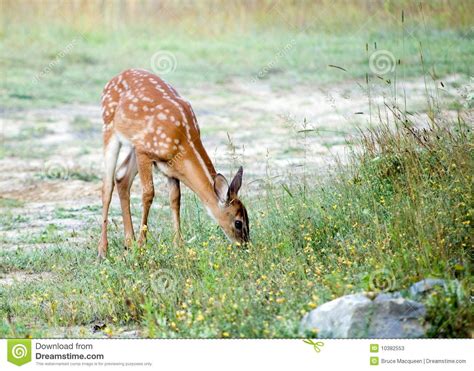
[145, 171]
[175, 204]
[111, 151]
[124, 179]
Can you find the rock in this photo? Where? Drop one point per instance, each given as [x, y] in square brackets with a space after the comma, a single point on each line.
[420, 288]
[130, 334]
[396, 317]
[356, 316]
[340, 318]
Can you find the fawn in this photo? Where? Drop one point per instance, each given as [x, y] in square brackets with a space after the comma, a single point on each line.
[158, 127]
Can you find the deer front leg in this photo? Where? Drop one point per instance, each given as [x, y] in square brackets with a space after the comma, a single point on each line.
[145, 171]
[124, 180]
[175, 204]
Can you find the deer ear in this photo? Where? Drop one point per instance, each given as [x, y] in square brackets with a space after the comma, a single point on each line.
[235, 184]
[221, 187]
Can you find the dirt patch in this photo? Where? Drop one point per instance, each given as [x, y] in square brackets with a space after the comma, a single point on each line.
[54, 191]
[89, 332]
[14, 278]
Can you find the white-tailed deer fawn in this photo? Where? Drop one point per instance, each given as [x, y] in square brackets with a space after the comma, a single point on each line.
[145, 114]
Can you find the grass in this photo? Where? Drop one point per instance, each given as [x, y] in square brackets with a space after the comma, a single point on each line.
[66, 64]
[23, 150]
[9, 220]
[73, 173]
[84, 128]
[9, 203]
[403, 210]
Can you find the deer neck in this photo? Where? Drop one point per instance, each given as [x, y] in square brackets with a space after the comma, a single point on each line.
[198, 175]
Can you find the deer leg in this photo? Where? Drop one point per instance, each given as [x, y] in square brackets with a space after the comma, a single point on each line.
[111, 151]
[175, 203]
[124, 179]
[145, 170]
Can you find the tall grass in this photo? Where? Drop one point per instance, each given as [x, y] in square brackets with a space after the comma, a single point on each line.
[64, 52]
[217, 16]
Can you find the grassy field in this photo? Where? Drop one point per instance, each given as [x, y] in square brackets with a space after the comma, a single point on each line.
[282, 92]
[70, 59]
[403, 212]
[283, 58]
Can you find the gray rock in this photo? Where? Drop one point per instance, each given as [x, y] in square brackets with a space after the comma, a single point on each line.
[420, 288]
[396, 317]
[340, 318]
[356, 316]
[387, 295]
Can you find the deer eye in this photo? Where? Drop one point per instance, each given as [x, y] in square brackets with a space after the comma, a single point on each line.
[238, 224]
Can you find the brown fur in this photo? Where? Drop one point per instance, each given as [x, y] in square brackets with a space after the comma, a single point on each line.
[144, 112]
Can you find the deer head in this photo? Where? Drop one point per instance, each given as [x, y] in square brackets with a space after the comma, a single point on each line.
[232, 215]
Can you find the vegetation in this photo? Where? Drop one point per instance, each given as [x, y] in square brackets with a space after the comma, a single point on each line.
[402, 213]
[70, 58]
[400, 210]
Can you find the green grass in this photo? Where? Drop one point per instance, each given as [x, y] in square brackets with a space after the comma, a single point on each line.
[84, 127]
[9, 203]
[24, 150]
[10, 220]
[403, 209]
[283, 58]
